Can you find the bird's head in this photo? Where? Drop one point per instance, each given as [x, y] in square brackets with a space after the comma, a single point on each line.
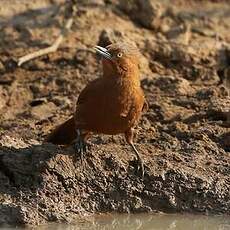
[119, 58]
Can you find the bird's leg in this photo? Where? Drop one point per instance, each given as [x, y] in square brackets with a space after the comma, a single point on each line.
[129, 138]
[80, 144]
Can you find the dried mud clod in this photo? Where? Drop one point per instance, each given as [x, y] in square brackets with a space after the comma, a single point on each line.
[147, 13]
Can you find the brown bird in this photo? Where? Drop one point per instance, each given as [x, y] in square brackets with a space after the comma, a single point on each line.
[111, 104]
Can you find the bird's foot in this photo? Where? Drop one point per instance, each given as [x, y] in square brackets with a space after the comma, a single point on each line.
[81, 147]
[140, 167]
[140, 164]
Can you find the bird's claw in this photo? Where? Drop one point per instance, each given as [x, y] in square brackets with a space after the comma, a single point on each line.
[140, 164]
[140, 167]
[80, 147]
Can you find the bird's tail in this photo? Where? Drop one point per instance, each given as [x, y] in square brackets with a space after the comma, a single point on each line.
[63, 134]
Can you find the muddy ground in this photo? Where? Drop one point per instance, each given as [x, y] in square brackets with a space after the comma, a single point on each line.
[184, 137]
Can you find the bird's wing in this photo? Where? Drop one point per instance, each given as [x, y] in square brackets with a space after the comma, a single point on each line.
[89, 91]
[89, 104]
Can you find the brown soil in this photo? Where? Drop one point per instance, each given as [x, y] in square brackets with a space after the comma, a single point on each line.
[184, 137]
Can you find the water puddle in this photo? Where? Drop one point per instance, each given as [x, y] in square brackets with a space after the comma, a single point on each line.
[144, 222]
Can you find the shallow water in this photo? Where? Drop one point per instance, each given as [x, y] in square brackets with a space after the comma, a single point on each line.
[144, 222]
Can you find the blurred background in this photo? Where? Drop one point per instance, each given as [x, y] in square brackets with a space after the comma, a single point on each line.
[184, 46]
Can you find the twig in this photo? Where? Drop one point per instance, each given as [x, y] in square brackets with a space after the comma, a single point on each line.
[71, 11]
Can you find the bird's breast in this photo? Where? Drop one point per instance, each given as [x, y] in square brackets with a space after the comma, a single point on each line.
[111, 109]
[122, 108]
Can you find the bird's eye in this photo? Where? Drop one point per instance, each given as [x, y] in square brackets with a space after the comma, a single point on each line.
[119, 55]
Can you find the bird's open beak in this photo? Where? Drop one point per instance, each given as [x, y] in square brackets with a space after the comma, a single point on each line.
[103, 52]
